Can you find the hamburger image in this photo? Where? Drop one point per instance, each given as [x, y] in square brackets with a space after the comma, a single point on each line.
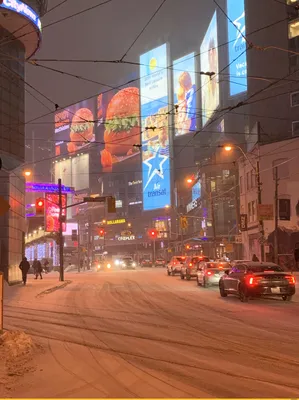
[82, 128]
[122, 126]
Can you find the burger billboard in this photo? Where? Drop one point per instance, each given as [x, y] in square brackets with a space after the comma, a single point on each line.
[75, 127]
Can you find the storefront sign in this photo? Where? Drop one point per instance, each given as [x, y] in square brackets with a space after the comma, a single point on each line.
[126, 238]
[265, 212]
[116, 221]
[243, 222]
[133, 183]
[191, 206]
[22, 9]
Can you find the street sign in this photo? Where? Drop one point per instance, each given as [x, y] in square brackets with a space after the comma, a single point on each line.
[229, 248]
[265, 212]
[243, 222]
[238, 238]
[184, 223]
[94, 199]
[4, 206]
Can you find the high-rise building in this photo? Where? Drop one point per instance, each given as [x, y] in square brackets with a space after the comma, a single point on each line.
[20, 33]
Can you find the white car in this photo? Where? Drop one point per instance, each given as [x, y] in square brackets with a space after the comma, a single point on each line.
[209, 273]
[175, 265]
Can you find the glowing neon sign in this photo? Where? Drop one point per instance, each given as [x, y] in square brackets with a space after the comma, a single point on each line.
[47, 187]
[22, 9]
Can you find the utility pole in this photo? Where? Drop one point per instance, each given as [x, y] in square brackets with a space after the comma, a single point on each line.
[276, 217]
[261, 222]
[61, 269]
[237, 200]
[79, 257]
[213, 225]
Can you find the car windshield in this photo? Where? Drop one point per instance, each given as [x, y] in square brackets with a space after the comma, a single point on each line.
[265, 268]
[127, 259]
[217, 265]
[180, 259]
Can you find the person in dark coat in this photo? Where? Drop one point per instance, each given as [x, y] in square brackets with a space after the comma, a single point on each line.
[255, 258]
[24, 267]
[38, 269]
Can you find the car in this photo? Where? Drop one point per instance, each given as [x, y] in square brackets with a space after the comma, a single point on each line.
[190, 266]
[175, 265]
[127, 263]
[146, 262]
[160, 262]
[257, 279]
[209, 273]
[104, 265]
[237, 262]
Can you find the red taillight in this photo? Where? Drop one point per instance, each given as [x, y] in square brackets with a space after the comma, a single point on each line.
[291, 279]
[209, 273]
[253, 280]
[190, 264]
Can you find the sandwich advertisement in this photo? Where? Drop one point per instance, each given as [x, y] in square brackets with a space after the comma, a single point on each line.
[154, 101]
[237, 47]
[209, 63]
[184, 83]
[75, 127]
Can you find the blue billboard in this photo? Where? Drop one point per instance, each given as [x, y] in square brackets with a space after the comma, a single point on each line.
[237, 46]
[154, 128]
[196, 191]
[184, 84]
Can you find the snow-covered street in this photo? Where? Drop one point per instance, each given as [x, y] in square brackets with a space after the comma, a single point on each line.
[144, 334]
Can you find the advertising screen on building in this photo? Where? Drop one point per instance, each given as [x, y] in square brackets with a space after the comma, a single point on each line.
[118, 116]
[210, 63]
[237, 46]
[73, 172]
[196, 191]
[75, 127]
[154, 127]
[52, 212]
[184, 84]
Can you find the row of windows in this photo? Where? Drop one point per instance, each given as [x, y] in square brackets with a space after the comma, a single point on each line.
[251, 181]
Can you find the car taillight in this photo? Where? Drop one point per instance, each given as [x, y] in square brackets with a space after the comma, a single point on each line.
[190, 264]
[253, 280]
[209, 273]
[291, 279]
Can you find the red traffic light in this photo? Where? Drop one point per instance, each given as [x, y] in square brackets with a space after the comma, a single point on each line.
[153, 233]
[40, 206]
[101, 232]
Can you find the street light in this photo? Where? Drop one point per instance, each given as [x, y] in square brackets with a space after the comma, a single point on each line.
[129, 225]
[27, 173]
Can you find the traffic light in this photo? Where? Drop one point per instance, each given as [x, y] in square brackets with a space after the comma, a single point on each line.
[101, 232]
[40, 206]
[111, 205]
[153, 233]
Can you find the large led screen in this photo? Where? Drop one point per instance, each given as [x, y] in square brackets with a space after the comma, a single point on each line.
[73, 172]
[209, 64]
[52, 212]
[237, 46]
[75, 127]
[154, 126]
[184, 83]
[118, 129]
[196, 191]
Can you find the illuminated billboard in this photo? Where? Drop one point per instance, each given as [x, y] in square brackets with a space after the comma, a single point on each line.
[75, 127]
[22, 9]
[154, 127]
[118, 128]
[209, 63]
[196, 191]
[73, 172]
[237, 46]
[52, 212]
[184, 84]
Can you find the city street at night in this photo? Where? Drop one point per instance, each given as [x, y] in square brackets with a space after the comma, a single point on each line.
[144, 334]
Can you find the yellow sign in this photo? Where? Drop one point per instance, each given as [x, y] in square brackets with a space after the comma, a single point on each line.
[265, 212]
[116, 221]
[184, 222]
[229, 248]
[4, 206]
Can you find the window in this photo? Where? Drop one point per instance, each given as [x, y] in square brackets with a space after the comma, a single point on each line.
[241, 184]
[249, 212]
[253, 178]
[253, 209]
[294, 29]
[295, 99]
[248, 180]
[284, 207]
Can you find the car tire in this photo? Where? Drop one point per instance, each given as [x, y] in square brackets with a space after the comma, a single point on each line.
[287, 298]
[198, 283]
[168, 272]
[204, 283]
[243, 296]
[222, 290]
[188, 277]
[172, 273]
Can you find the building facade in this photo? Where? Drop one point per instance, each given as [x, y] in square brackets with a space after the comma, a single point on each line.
[20, 32]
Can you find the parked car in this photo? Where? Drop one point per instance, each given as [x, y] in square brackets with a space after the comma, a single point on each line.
[237, 262]
[209, 273]
[191, 265]
[160, 262]
[257, 279]
[146, 262]
[175, 265]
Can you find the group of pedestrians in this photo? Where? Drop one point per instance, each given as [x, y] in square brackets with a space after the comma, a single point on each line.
[37, 269]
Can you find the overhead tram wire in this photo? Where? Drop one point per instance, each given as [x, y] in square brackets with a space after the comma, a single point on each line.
[143, 29]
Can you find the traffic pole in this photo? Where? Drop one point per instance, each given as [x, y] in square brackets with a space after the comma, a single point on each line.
[61, 269]
[276, 217]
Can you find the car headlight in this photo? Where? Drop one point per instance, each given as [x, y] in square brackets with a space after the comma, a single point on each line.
[108, 265]
[134, 264]
[99, 266]
[116, 262]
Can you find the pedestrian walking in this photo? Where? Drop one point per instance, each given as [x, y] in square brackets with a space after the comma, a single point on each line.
[24, 267]
[46, 268]
[38, 269]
